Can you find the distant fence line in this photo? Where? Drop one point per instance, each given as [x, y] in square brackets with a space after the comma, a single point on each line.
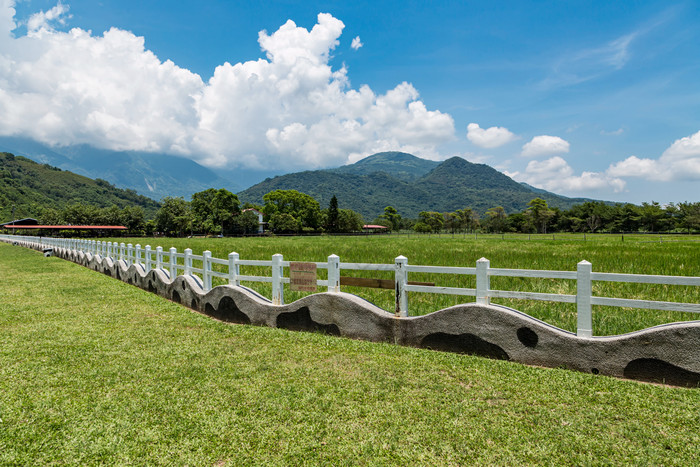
[200, 268]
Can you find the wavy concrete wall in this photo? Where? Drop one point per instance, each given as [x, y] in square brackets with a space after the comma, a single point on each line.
[665, 354]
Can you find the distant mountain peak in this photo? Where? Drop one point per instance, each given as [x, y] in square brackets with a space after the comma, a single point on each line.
[394, 156]
[401, 165]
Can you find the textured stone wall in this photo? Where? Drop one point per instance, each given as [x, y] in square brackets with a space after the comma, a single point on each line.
[665, 354]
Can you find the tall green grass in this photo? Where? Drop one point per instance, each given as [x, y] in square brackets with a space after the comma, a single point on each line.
[635, 255]
[94, 371]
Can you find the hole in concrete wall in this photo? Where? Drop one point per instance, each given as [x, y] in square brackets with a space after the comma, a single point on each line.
[108, 272]
[464, 343]
[176, 297]
[151, 287]
[595, 371]
[659, 371]
[300, 320]
[527, 337]
[228, 311]
[183, 285]
[194, 304]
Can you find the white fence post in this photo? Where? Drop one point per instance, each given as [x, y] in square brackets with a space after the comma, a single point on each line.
[188, 261]
[138, 254]
[122, 247]
[334, 274]
[584, 320]
[277, 285]
[206, 269]
[173, 263]
[129, 254]
[483, 284]
[148, 258]
[400, 279]
[233, 269]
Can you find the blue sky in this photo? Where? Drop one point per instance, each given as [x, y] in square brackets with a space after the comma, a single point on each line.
[584, 98]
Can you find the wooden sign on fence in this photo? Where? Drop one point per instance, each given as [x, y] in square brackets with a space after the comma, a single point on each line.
[302, 277]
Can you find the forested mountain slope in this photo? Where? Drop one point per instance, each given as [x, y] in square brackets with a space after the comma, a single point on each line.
[30, 187]
[411, 185]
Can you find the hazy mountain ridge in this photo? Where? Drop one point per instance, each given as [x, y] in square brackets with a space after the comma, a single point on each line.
[150, 174]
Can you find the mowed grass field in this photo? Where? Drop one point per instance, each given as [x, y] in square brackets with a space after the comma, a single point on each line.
[94, 371]
[637, 254]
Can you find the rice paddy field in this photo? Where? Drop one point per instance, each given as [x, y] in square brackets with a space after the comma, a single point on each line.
[632, 254]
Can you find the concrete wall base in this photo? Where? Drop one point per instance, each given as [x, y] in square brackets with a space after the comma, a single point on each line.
[668, 354]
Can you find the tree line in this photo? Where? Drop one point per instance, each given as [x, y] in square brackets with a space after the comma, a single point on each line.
[220, 212]
[591, 216]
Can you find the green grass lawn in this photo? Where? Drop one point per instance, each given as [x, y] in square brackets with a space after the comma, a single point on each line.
[94, 371]
[638, 254]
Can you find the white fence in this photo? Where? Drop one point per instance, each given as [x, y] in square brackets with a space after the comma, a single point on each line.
[172, 263]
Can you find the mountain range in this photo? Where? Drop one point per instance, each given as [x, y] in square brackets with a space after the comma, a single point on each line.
[149, 174]
[410, 184]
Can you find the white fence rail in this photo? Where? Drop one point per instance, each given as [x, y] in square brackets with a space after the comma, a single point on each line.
[201, 268]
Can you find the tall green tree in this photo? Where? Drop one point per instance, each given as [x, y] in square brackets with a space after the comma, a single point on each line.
[651, 216]
[350, 221]
[392, 217]
[540, 214]
[433, 220]
[214, 210]
[281, 222]
[332, 217]
[302, 207]
[468, 218]
[246, 223]
[496, 219]
[689, 217]
[133, 218]
[174, 217]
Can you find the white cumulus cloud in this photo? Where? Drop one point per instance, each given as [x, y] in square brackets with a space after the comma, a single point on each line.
[356, 43]
[492, 137]
[289, 109]
[681, 161]
[555, 174]
[545, 145]
[41, 21]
